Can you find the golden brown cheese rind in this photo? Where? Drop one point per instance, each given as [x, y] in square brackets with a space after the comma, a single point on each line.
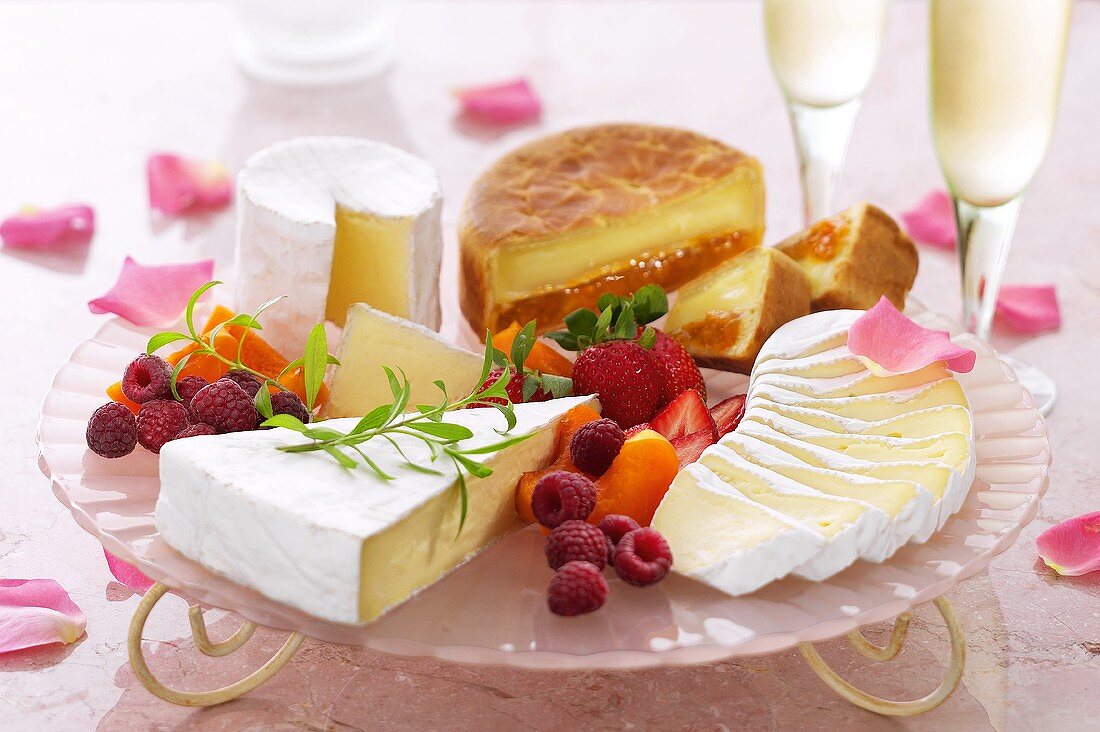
[593, 178]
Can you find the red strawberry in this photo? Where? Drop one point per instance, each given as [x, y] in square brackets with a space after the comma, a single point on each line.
[686, 414]
[727, 414]
[680, 371]
[625, 376]
[690, 446]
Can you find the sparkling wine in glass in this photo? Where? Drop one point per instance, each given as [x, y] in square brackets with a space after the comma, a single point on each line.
[823, 53]
[996, 76]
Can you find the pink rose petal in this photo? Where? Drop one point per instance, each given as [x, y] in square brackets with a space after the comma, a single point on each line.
[153, 295]
[932, 221]
[1029, 308]
[127, 573]
[507, 103]
[36, 612]
[888, 342]
[178, 185]
[34, 228]
[1072, 547]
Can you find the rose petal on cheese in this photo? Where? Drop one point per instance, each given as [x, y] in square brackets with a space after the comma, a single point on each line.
[1072, 547]
[35, 612]
[127, 573]
[1029, 308]
[155, 294]
[33, 228]
[507, 103]
[888, 343]
[932, 220]
[178, 185]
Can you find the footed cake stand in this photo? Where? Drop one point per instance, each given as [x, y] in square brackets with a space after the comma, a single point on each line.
[676, 622]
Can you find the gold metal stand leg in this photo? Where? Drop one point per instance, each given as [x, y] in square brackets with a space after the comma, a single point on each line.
[889, 651]
[204, 644]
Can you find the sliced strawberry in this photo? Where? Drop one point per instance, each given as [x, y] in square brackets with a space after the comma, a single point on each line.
[686, 414]
[727, 414]
[690, 446]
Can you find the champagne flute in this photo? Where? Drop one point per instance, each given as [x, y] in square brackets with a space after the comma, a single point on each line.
[823, 53]
[996, 76]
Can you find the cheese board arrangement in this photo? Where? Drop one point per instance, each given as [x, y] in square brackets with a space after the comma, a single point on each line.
[658, 442]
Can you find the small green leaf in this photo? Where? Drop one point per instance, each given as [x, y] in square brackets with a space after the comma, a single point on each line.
[441, 386]
[160, 340]
[189, 312]
[374, 466]
[625, 326]
[473, 467]
[263, 402]
[177, 369]
[509, 415]
[443, 430]
[266, 305]
[599, 333]
[395, 385]
[321, 433]
[313, 362]
[496, 446]
[285, 420]
[374, 419]
[650, 302]
[608, 301]
[341, 458]
[244, 320]
[464, 498]
[289, 367]
[581, 322]
[531, 385]
[523, 344]
[487, 361]
[648, 338]
[558, 386]
[567, 341]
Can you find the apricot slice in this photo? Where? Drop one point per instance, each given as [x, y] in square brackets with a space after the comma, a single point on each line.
[542, 358]
[570, 423]
[638, 478]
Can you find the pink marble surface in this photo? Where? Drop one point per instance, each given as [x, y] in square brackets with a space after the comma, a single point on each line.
[88, 89]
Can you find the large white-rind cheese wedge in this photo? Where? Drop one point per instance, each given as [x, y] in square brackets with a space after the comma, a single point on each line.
[343, 544]
[907, 503]
[373, 339]
[851, 528]
[723, 539]
[330, 221]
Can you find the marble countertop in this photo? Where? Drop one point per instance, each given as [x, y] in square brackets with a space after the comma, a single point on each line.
[87, 90]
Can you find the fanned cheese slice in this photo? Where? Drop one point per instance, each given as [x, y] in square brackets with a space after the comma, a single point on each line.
[870, 407]
[723, 539]
[331, 221]
[344, 544]
[794, 420]
[851, 528]
[860, 383]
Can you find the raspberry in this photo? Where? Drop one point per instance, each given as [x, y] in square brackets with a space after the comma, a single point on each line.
[195, 430]
[577, 588]
[147, 378]
[247, 381]
[287, 402]
[642, 557]
[188, 387]
[562, 496]
[159, 421]
[616, 526]
[596, 445]
[225, 406]
[112, 431]
[576, 541]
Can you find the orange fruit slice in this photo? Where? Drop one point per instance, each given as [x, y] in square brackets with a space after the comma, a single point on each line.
[638, 478]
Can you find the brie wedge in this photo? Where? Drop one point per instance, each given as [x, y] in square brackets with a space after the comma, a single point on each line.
[373, 339]
[331, 221]
[344, 544]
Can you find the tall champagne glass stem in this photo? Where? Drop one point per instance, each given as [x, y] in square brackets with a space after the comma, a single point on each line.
[822, 135]
[985, 236]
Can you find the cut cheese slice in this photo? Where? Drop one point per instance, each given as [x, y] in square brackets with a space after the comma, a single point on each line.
[907, 503]
[851, 528]
[373, 339]
[871, 407]
[331, 221]
[795, 421]
[837, 361]
[860, 383]
[808, 336]
[723, 539]
[953, 449]
[344, 544]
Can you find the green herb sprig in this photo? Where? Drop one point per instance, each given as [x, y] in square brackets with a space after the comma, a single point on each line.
[522, 345]
[313, 361]
[615, 318]
[426, 424]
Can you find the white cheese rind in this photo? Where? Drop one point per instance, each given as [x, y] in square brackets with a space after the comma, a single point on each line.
[287, 196]
[293, 526]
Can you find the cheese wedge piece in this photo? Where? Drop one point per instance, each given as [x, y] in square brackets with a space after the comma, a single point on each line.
[373, 339]
[836, 361]
[344, 544]
[723, 539]
[907, 504]
[552, 225]
[331, 221]
[860, 383]
[851, 528]
[795, 421]
[808, 336]
[953, 449]
[870, 407]
[948, 487]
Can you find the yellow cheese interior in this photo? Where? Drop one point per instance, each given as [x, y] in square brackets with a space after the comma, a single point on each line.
[370, 263]
[372, 340]
[827, 515]
[864, 386]
[735, 289]
[917, 424]
[735, 204]
[426, 544]
[950, 449]
[933, 477]
[874, 408]
[703, 526]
